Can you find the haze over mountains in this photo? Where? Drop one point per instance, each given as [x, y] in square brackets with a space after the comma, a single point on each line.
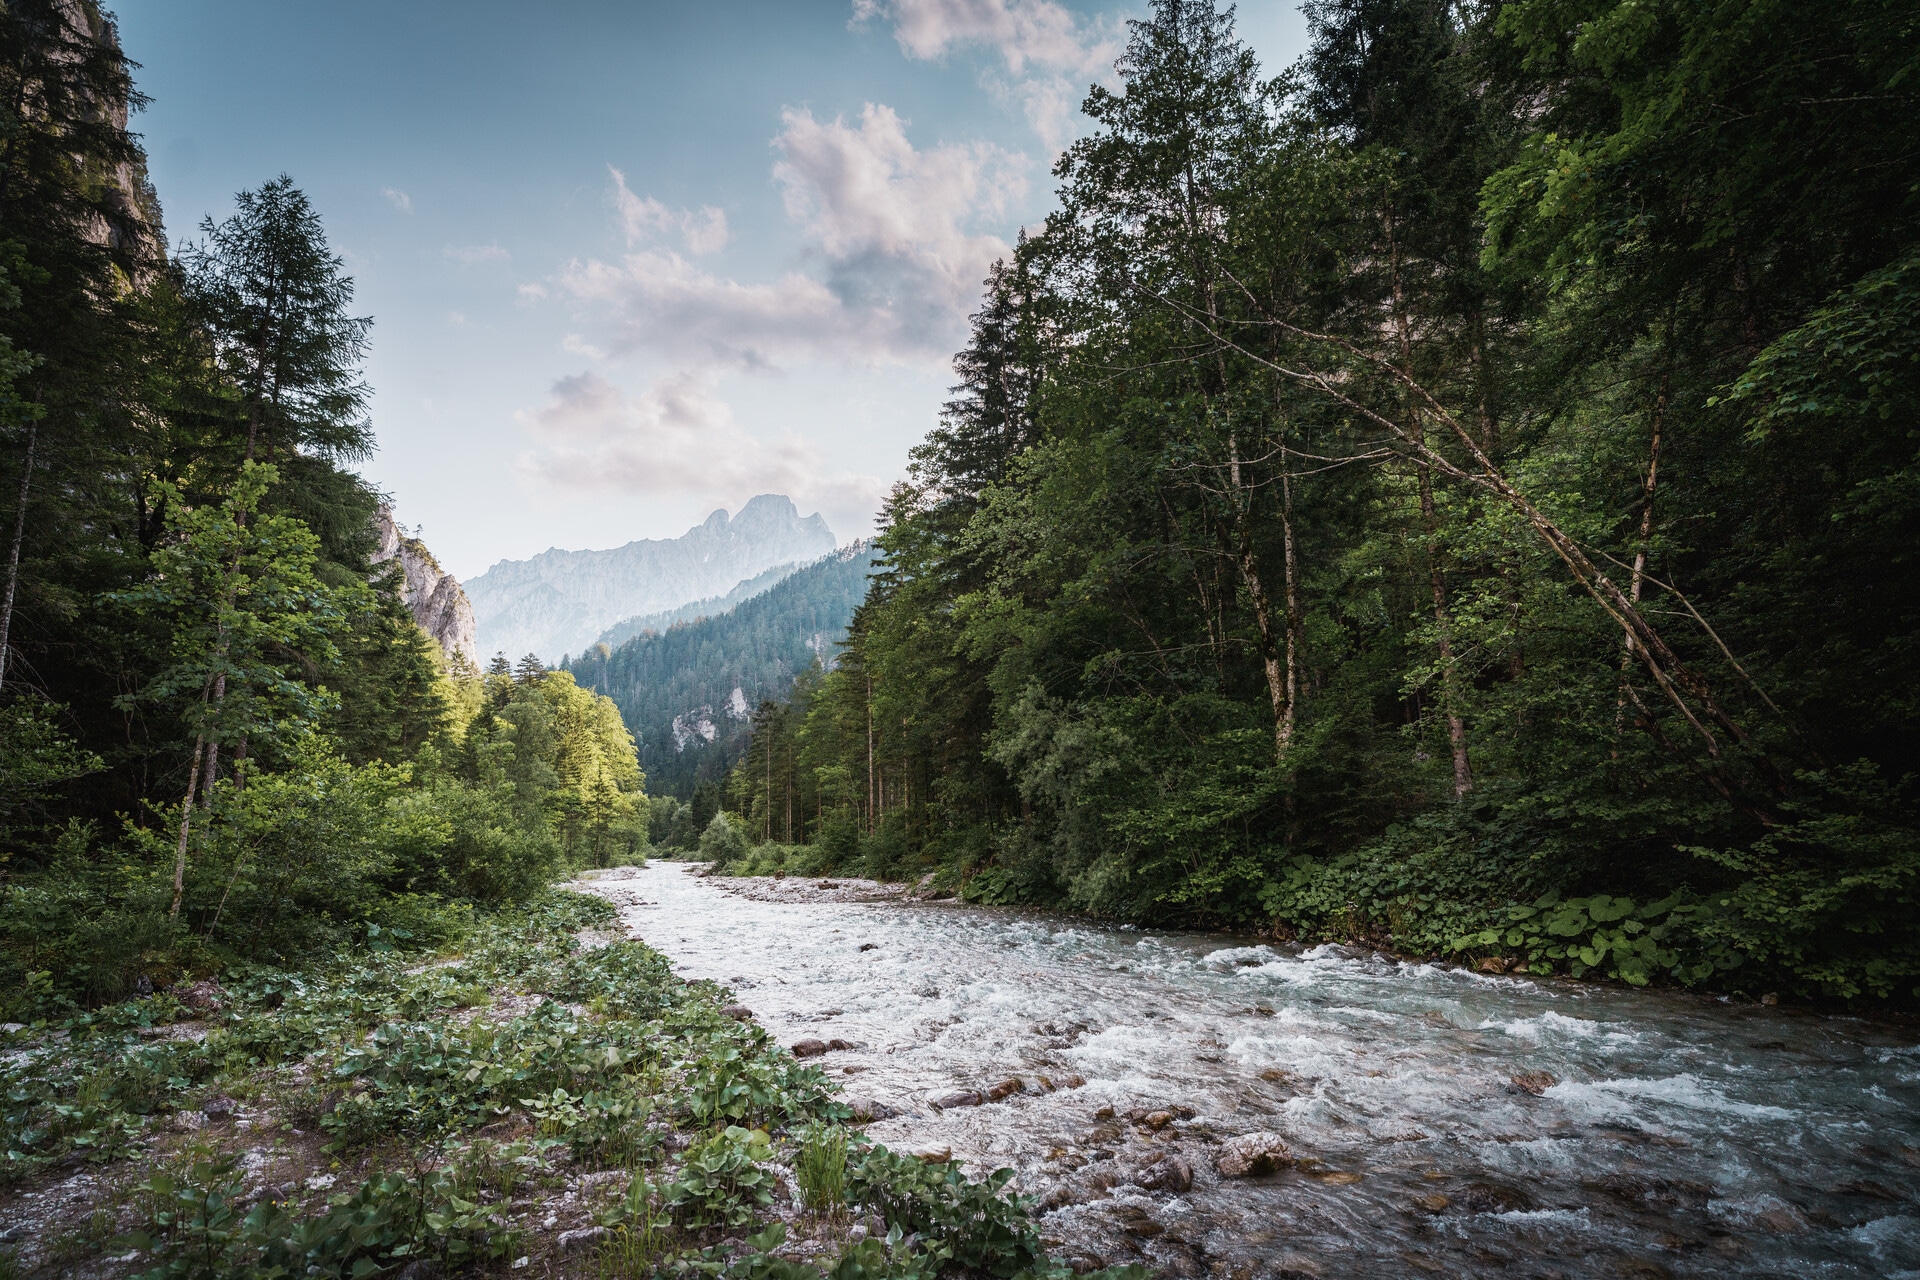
[562, 602]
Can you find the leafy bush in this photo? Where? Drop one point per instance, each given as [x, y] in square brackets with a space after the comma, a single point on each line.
[722, 843]
[723, 1180]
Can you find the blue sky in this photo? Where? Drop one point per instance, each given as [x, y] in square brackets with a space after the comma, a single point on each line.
[632, 262]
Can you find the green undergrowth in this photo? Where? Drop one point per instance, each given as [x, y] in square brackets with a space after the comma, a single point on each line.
[435, 1105]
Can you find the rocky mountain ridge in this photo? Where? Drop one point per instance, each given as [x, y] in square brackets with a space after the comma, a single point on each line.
[560, 602]
[431, 593]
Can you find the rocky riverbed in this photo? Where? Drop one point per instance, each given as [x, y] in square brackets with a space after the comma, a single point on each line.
[1222, 1107]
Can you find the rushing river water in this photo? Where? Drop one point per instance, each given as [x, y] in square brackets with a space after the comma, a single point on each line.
[1680, 1136]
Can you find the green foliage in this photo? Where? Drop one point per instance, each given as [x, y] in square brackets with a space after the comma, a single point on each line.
[721, 843]
[821, 1168]
[198, 1232]
[723, 1180]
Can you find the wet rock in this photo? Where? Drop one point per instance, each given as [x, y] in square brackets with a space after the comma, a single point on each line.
[1169, 1173]
[1534, 1082]
[1495, 1197]
[1335, 1177]
[933, 1154]
[1491, 964]
[738, 1012]
[1004, 1089]
[958, 1098]
[866, 1110]
[1252, 1154]
[1103, 1113]
[1071, 1082]
[1136, 1221]
[1435, 1203]
[1297, 1266]
[869, 946]
[854, 1070]
[809, 1048]
[220, 1108]
[581, 1239]
[1157, 1120]
[840, 1046]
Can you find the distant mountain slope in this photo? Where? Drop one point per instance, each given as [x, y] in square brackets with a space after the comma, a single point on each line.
[627, 628]
[687, 692]
[559, 602]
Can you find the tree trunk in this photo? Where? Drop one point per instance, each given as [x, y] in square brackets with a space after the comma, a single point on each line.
[1271, 660]
[1640, 552]
[1449, 684]
[186, 822]
[13, 555]
[870, 776]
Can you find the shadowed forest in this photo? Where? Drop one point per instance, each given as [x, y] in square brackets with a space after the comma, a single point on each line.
[1457, 492]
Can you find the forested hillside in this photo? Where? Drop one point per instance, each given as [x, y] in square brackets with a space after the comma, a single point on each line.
[1459, 492]
[222, 736]
[689, 691]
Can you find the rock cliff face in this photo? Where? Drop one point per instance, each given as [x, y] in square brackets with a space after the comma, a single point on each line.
[560, 602]
[432, 594]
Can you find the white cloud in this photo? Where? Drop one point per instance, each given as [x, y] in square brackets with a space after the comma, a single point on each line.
[467, 255]
[890, 228]
[398, 198]
[702, 231]
[677, 437]
[1048, 53]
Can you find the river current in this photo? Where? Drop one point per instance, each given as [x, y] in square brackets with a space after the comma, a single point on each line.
[1652, 1133]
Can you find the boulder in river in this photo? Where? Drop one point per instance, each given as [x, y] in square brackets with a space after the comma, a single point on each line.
[809, 1048]
[738, 1012]
[1005, 1089]
[866, 1110]
[837, 1046]
[1252, 1154]
[958, 1098]
[1168, 1173]
[933, 1155]
[1534, 1082]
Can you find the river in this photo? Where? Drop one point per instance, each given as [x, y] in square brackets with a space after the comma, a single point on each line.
[1678, 1135]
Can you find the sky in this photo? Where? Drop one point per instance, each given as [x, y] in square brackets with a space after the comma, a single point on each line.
[632, 262]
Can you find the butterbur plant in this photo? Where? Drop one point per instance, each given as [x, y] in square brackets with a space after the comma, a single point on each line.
[722, 1180]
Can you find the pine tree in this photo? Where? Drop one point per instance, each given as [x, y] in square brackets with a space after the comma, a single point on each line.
[530, 670]
[274, 295]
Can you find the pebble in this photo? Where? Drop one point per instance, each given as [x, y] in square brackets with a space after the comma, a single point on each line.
[1005, 1089]
[1252, 1154]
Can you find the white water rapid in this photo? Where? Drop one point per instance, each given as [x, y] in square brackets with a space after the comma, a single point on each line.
[1680, 1136]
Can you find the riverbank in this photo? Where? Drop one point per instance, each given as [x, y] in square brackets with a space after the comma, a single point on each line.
[545, 1099]
[1441, 1119]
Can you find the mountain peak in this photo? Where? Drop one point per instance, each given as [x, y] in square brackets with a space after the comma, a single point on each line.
[560, 601]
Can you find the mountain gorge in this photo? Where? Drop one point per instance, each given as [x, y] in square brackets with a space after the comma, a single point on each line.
[561, 602]
[688, 692]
